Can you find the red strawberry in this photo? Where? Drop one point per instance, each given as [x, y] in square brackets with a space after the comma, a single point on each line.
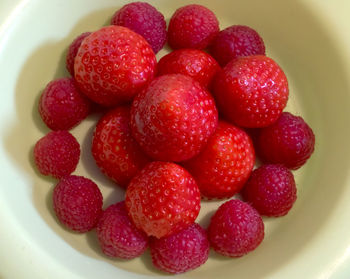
[289, 141]
[192, 26]
[115, 151]
[251, 91]
[162, 199]
[113, 64]
[173, 118]
[236, 41]
[191, 62]
[225, 163]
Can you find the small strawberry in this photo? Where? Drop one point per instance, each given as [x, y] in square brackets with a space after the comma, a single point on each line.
[191, 62]
[173, 118]
[289, 141]
[162, 199]
[115, 151]
[251, 91]
[225, 163]
[236, 41]
[192, 26]
[113, 64]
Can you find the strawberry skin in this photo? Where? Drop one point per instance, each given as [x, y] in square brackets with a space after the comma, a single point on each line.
[191, 62]
[225, 163]
[251, 91]
[113, 64]
[173, 118]
[162, 199]
[115, 151]
[192, 26]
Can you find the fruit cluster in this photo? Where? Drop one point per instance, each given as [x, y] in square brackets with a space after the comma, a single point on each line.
[173, 132]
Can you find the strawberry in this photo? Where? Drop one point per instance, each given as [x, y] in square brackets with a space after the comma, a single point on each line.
[192, 26]
[162, 199]
[173, 118]
[115, 151]
[191, 62]
[225, 163]
[251, 91]
[236, 41]
[113, 64]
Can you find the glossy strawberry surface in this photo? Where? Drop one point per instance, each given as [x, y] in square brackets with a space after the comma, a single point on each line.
[192, 26]
[114, 149]
[113, 64]
[225, 163]
[173, 118]
[162, 199]
[191, 62]
[251, 91]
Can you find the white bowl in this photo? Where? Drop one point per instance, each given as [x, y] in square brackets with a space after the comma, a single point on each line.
[308, 38]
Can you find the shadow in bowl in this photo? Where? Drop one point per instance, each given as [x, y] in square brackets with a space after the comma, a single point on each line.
[299, 42]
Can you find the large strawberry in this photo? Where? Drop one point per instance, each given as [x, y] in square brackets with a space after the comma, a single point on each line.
[225, 163]
[115, 151]
[251, 91]
[113, 64]
[173, 118]
[162, 199]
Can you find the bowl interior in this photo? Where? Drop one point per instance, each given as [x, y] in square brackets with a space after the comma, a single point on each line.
[295, 37]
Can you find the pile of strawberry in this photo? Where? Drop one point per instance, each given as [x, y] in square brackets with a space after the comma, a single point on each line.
[174, 131]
